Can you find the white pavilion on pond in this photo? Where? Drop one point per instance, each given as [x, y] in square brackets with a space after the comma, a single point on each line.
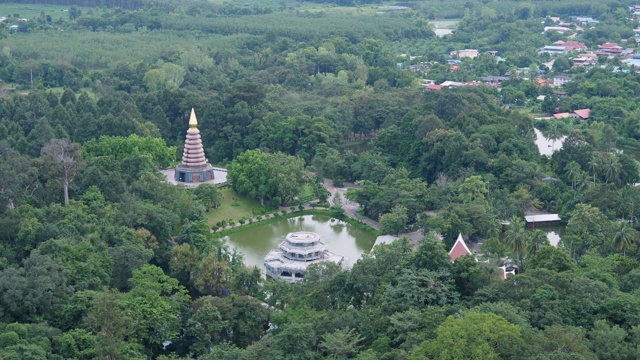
[292, 257]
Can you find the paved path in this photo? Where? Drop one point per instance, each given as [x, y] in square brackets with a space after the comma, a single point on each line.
[350, 208]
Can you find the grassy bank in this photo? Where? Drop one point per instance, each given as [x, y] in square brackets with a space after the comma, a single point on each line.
[288, 215]
[234, 206]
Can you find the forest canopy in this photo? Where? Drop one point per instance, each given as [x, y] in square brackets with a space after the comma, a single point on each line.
[102, 257]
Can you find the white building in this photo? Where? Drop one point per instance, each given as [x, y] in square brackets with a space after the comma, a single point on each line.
[290, 260]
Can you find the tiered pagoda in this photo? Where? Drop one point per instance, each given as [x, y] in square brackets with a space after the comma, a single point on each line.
[299, 250]
[194, 167]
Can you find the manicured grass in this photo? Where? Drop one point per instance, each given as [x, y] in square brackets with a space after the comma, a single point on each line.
[233, 206]
[307, 192]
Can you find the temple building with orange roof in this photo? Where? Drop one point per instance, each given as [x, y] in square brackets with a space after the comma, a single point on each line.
[459, 249]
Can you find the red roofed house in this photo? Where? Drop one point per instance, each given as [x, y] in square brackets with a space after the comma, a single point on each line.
[582, 113]
[459, 249]
[434, 87]
[609, 49]
[571, 45]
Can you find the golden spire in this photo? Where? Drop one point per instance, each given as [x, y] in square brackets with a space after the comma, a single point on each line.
[193, 122]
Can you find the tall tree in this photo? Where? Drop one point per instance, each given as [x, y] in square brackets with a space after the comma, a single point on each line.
[112, 325]
[64, 159]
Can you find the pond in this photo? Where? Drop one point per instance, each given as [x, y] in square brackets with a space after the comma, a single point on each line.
[444, 27]
[545, 146]
[634, 153]
[340, 237]
[554, 233]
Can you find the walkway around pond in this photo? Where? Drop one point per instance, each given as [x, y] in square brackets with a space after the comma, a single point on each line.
[350, 208]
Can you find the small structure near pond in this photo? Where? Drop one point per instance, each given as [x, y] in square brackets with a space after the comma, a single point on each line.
[293, 256]
[542, 220]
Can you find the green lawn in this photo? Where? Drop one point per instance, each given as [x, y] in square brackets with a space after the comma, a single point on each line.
[233, 206]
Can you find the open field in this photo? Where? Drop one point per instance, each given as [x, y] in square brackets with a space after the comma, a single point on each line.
[31, 11]
[233, 206]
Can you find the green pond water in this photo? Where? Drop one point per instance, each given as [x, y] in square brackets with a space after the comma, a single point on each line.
[340, 237]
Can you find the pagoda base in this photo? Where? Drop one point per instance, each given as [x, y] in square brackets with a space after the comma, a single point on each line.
[191, 175]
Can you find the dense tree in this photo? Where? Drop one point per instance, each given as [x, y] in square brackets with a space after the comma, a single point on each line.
[267, 176]
[475, 336]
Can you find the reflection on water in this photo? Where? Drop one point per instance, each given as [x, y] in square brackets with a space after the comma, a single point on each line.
[554, 238]
[547, 147]
[341, 238]
[554, 233]
[443, 32]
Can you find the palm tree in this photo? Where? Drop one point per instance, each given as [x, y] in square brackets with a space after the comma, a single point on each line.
[554, 133]
[594, 164]
[537, 240]
[516, 238]
[611, 168]
[573, 173]
[625, 237]
[622, 199]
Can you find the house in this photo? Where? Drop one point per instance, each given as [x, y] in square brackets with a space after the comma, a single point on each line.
[561, 115]
[571, 45]
[560, 29]
[451, 84]
[433, 87]
[584, 60]
[470, 53]
[560, 80]
[555, 19]
[553, 49]
[14, 27]
[632, 62]
[492, 52]
[541, 82]
[494, 80]
[542, 220]
[560, 94]
[459, 249]
[582, 113]
[506, 271]
[609, 49]
[584, 20]
[421, 66]
[384, 239]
